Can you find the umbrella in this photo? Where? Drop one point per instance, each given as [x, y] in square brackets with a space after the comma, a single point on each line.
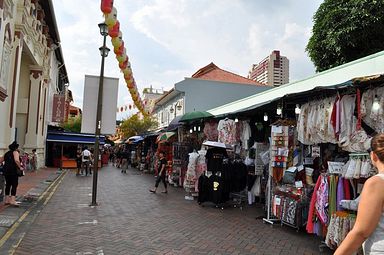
[164, 136]
[135, 139]
[175, 123]
[215, 144]
[195, 116]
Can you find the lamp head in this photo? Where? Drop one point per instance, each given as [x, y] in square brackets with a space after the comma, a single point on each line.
[104, 51]
[103, 29]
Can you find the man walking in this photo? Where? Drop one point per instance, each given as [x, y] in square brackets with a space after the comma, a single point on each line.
[162, 174]
[86, 159]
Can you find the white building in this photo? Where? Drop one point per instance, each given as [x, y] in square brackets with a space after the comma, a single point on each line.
[272, 71]
[32, 70]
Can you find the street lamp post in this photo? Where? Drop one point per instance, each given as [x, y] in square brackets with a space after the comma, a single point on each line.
[177, 106]
[104, 53]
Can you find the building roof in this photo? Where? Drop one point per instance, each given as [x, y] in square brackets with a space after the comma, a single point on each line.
[214, 73]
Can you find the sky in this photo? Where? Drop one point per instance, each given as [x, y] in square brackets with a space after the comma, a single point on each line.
[168, 40]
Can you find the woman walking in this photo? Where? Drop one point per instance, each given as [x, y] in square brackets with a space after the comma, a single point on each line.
[12, 164]
[162, 174]
[369, 227]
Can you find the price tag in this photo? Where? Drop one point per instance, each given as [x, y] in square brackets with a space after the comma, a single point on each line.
[335, 167]
[315, 151]
[299, 184]
[277, 129]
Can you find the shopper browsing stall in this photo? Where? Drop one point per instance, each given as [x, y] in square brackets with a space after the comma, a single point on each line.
[369, 227]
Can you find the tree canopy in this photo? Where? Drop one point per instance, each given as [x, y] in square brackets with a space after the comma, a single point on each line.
[73, 124]
[345, 30]
[136, 126]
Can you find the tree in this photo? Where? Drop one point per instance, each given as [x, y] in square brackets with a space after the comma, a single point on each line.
[345, 30]
[136, 126]
[73, 124]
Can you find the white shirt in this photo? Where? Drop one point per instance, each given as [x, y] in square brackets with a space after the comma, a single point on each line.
[85, 153]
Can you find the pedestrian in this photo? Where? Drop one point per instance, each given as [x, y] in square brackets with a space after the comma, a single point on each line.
[369, 227]
[162, 165]
[78, 162]
[126, 161]
[86, 160]
[11, 165]
[34, 160]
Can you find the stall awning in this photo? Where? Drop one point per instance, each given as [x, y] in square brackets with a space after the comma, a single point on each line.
[341, 75]
[77, 138]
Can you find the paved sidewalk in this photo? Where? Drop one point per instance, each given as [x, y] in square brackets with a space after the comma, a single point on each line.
[30, 188]
[130, 220]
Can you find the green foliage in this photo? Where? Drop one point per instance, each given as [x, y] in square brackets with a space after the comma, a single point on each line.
[136, 126]
[73, 124]
[345, 30]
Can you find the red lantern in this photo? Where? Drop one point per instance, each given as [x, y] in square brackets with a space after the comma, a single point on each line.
[106, 6]
[114, 31]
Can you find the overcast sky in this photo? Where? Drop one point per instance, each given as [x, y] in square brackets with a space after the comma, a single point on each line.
[167, 40]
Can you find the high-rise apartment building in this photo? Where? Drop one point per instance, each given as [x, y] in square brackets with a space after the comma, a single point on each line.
[272, 71]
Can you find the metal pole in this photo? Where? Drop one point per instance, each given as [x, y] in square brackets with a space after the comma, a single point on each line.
[98, 127]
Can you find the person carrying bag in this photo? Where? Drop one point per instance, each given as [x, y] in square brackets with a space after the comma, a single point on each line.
[12, 171]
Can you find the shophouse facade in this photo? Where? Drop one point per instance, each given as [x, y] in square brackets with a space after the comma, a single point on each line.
[32, 71]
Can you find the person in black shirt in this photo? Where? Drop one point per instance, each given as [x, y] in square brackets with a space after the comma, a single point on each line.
[162, 174]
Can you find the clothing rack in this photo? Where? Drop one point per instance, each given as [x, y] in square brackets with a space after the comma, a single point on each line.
[359, 154]
[270, 218]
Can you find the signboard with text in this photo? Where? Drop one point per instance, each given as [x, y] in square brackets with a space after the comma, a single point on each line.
[58, 109]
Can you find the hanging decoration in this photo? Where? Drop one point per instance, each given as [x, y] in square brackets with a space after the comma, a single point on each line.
[110, 15]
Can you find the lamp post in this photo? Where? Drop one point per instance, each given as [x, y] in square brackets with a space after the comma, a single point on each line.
[104, 53]
[177, 106]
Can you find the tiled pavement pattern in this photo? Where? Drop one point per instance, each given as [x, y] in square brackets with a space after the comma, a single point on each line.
[130, 220]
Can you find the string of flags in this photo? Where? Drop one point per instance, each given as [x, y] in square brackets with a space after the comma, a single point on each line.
[110, 15]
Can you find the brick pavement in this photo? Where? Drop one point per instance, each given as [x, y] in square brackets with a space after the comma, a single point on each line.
[31, 180]
[130, 220]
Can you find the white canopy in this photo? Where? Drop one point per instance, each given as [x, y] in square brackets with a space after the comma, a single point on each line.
[370, 65]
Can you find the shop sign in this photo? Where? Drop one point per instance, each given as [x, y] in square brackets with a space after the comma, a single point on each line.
[58, 112]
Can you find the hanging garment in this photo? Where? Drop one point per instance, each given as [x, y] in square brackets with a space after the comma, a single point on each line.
[312, 209]
[322, 201]
[340, 193]
[332, 195]
[347, 190]
[227, 131]
[215, 157]
[210, 130]
[245, 134]
[347, 127]
[201, 167]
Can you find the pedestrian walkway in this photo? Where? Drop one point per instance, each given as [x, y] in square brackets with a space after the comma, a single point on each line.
[130, 220]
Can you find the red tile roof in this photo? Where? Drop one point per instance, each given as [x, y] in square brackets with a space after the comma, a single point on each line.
[214, 73]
